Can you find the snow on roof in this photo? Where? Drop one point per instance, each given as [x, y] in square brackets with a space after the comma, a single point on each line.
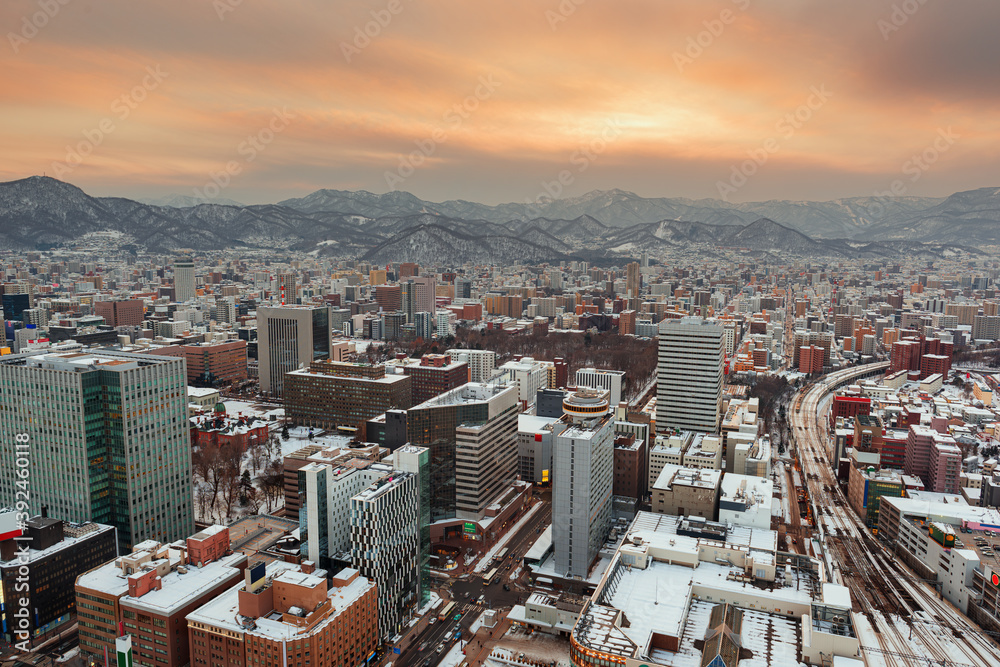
[181, 588]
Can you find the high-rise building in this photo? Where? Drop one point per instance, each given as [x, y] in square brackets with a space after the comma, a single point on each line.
[107, 437]
[471, 433]
[482, 363]
[689, 376]
[289, 338]
[436, 374]
[55, 554]
[633, 280]
[583, 450]
[386, 546]
[424, 325]
[225, 311]
[331, 395]
[121, 313]
[599, 378]
[184, 286]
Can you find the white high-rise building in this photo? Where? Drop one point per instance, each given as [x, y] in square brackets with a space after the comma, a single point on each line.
[689, 376]
[529, 375]
[599, 378]
[482, 363]
[184, 288]
[583, 452]
[444, 323]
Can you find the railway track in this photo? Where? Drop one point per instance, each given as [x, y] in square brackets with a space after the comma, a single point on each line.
[909, 623]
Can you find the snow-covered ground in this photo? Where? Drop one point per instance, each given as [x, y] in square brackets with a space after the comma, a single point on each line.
[488, 558]
[454, 657]
[432, 603]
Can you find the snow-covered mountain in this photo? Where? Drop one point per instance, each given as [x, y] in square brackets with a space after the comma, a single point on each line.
[40, 211]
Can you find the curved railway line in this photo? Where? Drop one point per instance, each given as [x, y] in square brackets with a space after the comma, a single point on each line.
[910, 624]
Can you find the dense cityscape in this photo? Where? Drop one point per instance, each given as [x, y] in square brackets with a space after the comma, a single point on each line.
[240, 458]
[524, 333]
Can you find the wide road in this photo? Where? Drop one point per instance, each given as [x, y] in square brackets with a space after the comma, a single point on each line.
[899, 620]
[419, 647]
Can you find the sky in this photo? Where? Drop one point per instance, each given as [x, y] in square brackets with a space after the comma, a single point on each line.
[502, 100]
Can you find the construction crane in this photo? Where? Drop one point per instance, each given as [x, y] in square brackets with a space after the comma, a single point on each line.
[921, 658]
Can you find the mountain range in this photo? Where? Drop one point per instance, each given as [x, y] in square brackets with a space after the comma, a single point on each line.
[598, 226]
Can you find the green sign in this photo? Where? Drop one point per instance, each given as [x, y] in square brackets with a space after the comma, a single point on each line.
[469, 527]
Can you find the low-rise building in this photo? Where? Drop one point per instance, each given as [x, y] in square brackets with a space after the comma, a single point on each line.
[682, 491]
[150, 592]
[287, 615]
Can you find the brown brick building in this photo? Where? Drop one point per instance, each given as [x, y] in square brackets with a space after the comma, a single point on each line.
[150, 592]
[291, 617]
[435, 375]
[330, 395]
[126, 313]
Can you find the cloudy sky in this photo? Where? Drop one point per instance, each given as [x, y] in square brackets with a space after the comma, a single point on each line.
[499, 100]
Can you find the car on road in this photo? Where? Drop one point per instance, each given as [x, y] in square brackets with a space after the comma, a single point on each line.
[506, 587]
[432, 621]
[480, 599]
[440, 647]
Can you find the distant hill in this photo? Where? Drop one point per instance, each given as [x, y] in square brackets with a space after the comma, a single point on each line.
[609, 225]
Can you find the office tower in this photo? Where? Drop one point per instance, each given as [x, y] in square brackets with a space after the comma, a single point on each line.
[289, 338]
[392, 326]
[339, 319]
[689, 376]
[633, 280]
[595, 378]
[424, 325]
[288, 288]
[386, 545]
[225, 311]
[121, 313]
[14, 305]
[184, 288]
[482, 363]
[472, 436]
[107, 439]
[436, 374]
[417, 295]
[529, 376]
[332, 395]
[463, 288]
[56, 554]
[583, 460]
[388, 297]
[408, 270]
